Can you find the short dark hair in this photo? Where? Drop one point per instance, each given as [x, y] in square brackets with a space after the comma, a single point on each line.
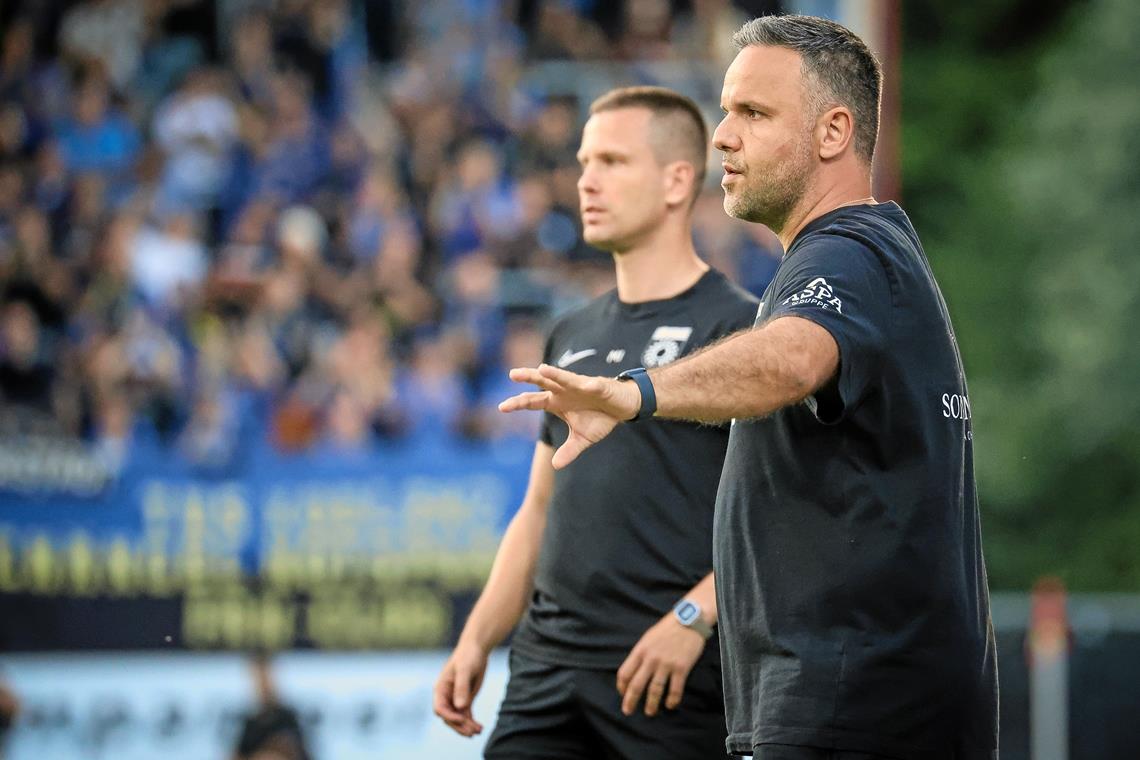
[840, 64]
[678, 116]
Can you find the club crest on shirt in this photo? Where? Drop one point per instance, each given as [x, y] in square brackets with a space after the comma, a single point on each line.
[665, 345]
[817, 293]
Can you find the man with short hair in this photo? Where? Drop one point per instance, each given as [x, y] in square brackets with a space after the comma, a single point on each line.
[608, 562]
[852, 594]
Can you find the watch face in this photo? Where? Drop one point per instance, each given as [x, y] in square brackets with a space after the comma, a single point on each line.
[687, 612]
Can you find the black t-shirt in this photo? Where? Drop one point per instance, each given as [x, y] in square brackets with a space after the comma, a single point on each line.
[854, 609]
[629, 524]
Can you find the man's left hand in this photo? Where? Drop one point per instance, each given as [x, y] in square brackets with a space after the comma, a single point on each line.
[660, 661]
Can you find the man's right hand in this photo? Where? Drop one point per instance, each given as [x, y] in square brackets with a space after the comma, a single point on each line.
[456, 687]
[590, 406]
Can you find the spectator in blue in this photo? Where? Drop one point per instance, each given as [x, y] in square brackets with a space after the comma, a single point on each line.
[99, 139]
[523, 343]
[296, 154]
[430, 390]
[470, 203]
[380, 209]
[472, 310]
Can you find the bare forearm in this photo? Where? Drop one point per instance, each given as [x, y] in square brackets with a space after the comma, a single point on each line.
[750, 374]
[509, 586]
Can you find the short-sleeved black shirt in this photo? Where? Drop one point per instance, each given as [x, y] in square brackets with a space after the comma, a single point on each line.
[853, 602]
[629, 524]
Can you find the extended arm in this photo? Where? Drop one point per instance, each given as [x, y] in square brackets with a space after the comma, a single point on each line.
[750, 374]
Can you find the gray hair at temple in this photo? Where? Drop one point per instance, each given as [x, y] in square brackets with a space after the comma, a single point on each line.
[838, 68]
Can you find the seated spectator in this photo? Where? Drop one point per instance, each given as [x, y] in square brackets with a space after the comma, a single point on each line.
[404, 300]
[107, 32]
[472, 310]
[97, 138]
[26, 370]
[523, 347]
[347, 433]
[196, 128]
[380, 209]
[210, 438]
[296, 153]
[430, 390]
[474, 202]
[169, 262]
[114, 431]
[251, 51]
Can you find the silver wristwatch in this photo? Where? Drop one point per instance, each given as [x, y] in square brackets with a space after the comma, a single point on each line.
[688, 614]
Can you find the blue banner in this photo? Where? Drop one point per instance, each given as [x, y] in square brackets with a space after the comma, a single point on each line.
[376, 549]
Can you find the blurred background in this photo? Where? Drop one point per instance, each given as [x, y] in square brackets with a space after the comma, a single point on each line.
[264, 263]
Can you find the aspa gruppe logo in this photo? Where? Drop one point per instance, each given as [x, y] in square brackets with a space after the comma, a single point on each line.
[817, 293]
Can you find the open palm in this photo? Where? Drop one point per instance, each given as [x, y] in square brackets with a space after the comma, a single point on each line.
[590, 406]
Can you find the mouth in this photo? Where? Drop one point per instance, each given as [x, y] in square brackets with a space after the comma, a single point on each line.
[592, 211]
[730, 170]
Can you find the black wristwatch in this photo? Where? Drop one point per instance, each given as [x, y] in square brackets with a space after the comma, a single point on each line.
[640, 375]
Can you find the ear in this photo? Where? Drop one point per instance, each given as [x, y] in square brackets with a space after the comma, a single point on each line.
[679, 177]
[835, 131]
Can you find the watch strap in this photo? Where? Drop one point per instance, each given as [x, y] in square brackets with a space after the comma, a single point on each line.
[688, 613]
[640, 375]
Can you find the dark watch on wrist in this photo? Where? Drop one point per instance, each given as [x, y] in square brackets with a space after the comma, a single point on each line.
[640, 375]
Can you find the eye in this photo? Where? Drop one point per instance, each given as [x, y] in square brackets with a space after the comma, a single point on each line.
[754, 114]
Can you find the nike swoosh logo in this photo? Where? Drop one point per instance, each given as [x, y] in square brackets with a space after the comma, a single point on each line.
[569, 357]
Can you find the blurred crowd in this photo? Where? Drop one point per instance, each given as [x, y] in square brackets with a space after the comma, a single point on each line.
[314, 225]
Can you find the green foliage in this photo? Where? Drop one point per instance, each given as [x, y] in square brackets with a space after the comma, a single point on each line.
[1021, 174]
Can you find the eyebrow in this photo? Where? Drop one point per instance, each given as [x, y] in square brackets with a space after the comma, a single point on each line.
[607, 153]
[747, 103]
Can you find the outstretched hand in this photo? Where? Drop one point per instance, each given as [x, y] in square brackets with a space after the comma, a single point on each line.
[590, 406]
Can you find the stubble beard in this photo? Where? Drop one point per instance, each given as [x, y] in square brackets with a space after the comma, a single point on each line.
[778, 190]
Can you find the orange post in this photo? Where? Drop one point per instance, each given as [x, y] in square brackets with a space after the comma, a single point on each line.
[1048, 653]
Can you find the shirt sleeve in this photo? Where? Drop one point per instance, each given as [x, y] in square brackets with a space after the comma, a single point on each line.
[840, 285]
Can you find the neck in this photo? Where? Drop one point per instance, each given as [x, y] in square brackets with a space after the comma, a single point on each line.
[664, 265]
[850, 193]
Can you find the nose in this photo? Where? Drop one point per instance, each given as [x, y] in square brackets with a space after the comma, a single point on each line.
[725, 138]
[587, 181]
